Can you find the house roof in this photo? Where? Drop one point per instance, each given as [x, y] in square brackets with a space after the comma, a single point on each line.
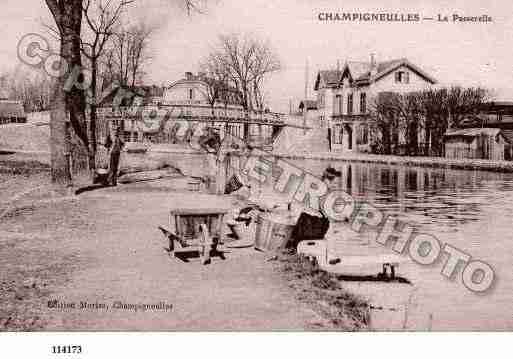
[328, 77]
[387, 67]
[508, 134]
[474, 132]
[498, 106]
[151, 91]
[12, 109]
[360, 71]
[126, 99]
[202, 79]
[484, 119]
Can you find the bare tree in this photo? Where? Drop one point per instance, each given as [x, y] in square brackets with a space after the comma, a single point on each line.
[463, 102]
[247, 60]
[433, 110]
[265, 63]
[33, 90]
[101, 19]
[216, 81]
[71, 102]
[385, 122]
[129, 53]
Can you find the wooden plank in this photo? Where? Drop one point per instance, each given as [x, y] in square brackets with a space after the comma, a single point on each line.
[371, 260]
[199, 211]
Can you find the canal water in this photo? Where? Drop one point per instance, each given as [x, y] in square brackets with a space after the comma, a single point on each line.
[471, 210]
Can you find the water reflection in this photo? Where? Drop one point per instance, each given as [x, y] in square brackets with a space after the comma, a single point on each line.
[424, 196]
[471, 210]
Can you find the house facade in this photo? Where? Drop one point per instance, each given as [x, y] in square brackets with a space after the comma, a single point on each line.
[199, 90]
[345, 95]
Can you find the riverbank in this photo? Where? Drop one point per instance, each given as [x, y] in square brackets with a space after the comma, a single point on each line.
[103, 247]
[430, 162]
[433, 162]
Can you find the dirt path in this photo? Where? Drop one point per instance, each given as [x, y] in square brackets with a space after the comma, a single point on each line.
[117, 253]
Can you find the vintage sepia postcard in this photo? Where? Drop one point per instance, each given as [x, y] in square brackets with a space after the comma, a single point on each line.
[295, 165]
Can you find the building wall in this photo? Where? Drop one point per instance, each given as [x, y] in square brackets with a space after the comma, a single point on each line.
[481, 147]
[388, 83]
[354, 132]
[179, 93]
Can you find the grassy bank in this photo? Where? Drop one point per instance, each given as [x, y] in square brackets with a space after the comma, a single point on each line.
[324, 293]
[433, 162]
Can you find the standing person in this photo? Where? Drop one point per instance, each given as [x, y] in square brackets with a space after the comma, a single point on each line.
[115, 153]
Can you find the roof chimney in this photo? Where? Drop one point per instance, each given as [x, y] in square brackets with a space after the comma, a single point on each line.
[188, 75]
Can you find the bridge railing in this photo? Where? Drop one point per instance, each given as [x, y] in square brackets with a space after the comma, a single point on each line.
[199, 112]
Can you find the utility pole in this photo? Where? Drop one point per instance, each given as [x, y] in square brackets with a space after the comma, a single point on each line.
[305, 107]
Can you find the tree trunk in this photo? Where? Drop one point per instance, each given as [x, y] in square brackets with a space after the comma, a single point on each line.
[385, 136]
[93, 116]
[68, 98]
[413, 140]
[60, 147]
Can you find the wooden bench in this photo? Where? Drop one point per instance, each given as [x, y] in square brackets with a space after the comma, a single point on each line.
[199, 229]
[318, 250]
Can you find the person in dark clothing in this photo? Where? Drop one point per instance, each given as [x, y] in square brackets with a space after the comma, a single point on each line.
[116, 145]
[210, 142]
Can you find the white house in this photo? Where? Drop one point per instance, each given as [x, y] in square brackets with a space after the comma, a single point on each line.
[344, 95]
[197, 90]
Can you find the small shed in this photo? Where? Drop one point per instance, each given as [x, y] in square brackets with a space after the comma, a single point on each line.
[478, 143]
[12, 112]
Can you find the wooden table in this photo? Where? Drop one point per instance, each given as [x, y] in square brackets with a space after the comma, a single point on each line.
[199, 228]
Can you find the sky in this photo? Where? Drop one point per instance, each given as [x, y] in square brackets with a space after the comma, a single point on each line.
[454, 53]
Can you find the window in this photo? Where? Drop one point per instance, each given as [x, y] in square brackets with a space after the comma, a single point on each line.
[191, 94]
[320, 100]
[337, 106]
[363, 135]
[350, 104]
[402, 77]
[338, 132]
[363, 102]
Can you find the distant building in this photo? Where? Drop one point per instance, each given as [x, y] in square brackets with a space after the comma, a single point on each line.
[310, 113]
[345, 94]
[477, 143]
[11, 111]
[197, 90]
[187, 102]
[496, 114]
[487, 135]
[152, 94]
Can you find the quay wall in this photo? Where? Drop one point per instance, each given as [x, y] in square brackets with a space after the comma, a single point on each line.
[434, 162]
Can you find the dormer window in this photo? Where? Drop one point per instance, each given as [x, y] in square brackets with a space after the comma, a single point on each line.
[402, 77]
